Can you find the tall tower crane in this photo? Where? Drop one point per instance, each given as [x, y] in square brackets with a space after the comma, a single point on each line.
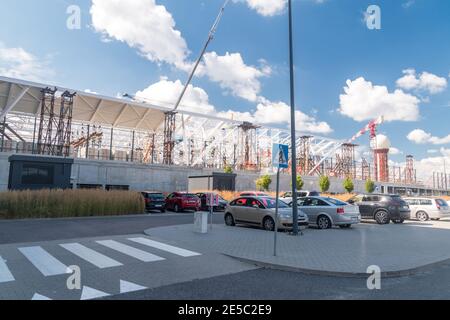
[170, 116]
[370, 127]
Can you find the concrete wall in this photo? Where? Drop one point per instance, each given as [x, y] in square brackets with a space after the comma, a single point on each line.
[4, 171]
[161, 178]
[137, 176]
[166, 179]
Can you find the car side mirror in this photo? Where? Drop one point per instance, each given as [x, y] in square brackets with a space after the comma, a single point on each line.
[351, 201]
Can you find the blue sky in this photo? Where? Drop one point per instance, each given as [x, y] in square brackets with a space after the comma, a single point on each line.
[118, 50]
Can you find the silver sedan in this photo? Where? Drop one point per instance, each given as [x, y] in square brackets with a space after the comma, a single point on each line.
[326, 212]
[260, 211]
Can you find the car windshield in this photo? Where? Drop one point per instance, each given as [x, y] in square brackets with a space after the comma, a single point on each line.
[336, 202]
[270, 203]
[155, 196]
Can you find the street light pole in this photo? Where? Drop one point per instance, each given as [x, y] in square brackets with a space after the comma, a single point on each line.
[293, 129]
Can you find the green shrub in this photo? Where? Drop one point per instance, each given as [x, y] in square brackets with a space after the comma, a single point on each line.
[263, 183]
[300, 183]
[324, 183]
[370, 186]
[69, 203]
[228, 169]
[348, 185]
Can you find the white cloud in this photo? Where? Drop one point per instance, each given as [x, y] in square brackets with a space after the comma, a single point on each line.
[166, 93]
[425, 167]
[237, 115]
[426, 81]
[143, 25]
[233, 75]
[266, 8]
[395, 151]
[269, 8]
[363, 101]
[419, 136]
[280, 113]
[19, 63]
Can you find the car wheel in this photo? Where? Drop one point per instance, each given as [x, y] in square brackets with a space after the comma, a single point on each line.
[422, 216]
[345, 226]
[229, 220]
[382, 217]
[269, 224]
[398, 221]
[163, 210]
[323, 222]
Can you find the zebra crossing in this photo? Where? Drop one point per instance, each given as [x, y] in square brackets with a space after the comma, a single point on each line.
[50, 261]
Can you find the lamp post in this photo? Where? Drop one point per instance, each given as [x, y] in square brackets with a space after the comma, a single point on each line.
[293, 129]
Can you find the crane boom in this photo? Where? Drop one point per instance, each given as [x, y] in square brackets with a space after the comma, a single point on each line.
[211, 34]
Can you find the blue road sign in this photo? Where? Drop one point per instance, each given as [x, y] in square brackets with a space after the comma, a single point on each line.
[280, 156]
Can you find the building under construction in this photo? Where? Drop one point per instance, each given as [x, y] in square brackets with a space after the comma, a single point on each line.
[40, 120]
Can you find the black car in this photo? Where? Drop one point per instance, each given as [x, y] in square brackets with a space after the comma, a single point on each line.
[383, 208]
[204, 207]
[154, 201]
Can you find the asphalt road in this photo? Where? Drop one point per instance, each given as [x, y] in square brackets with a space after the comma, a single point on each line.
[265, 284]
[21, 231]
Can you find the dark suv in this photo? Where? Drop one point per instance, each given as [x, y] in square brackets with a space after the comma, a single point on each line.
[383, 208]
[154, 201]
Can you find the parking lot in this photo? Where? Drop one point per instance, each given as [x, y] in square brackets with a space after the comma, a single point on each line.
[397, 249]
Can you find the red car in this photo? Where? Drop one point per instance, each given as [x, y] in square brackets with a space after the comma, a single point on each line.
[179, 202]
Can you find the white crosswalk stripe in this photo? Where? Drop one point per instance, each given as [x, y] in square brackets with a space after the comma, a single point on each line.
[44, 261]
[165, 247]
[5, 274]
[130, 251]
[97, 259]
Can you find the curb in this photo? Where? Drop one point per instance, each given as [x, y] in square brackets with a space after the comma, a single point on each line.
[315, 272]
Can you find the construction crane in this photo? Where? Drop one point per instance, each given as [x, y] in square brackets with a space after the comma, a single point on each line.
[370, 127]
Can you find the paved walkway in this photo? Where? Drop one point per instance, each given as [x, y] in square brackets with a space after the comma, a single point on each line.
[396, 249]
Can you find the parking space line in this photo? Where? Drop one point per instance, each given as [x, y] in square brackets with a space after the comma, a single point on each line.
[44, 261]
[97, 259]
[5, 274]
[165, 247]
[130, 251]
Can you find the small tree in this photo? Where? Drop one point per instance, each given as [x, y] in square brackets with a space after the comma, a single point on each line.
[263, 183]
[324, 183]
[370, 186]
[348, 185]
[300, 183]
[228, 169]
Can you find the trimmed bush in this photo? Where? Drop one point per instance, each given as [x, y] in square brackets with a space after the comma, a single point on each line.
[69, 203]
[348, 185]
[370, 186]
[300, 183]
[263, 183]
[324, 183]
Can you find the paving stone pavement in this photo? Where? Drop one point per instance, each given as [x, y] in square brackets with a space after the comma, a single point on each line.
[108, 266]
[396, 249]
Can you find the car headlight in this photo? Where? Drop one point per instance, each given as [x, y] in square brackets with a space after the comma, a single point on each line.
[285, 216]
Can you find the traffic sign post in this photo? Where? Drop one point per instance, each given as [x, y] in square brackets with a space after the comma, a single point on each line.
[212, 201]
[280, 156]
